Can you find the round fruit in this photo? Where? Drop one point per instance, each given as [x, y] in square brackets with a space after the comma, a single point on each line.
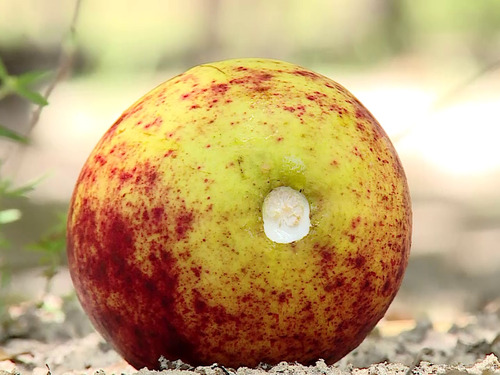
[244, 211]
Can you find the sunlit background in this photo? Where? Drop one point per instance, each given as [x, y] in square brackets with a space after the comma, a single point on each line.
[429, 70]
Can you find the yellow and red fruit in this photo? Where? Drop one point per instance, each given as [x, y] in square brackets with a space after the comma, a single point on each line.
[166, 242]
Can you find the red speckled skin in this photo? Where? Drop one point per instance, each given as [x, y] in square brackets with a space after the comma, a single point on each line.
[165, 241]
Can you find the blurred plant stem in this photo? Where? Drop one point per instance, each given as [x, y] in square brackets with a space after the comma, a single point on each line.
[450, 96]
[65, 63]
[52, 245]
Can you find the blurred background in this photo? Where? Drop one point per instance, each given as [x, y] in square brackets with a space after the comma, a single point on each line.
[428, 70]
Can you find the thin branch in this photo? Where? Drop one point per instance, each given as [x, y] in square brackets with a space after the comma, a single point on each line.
[448, 97]
[65, 63]
[458, 89]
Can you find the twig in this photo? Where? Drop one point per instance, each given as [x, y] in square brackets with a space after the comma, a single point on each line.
[449, 97]
[65, 63]
[224, 370]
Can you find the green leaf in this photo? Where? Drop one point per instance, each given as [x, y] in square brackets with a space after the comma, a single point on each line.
[3, 70]
[32, 96]
[10, 215]
[19, 85]
[32, 77]
[5, 184]
[7, 133]
[19, 192]
[5, 278]
[52, 245]
[4, 243]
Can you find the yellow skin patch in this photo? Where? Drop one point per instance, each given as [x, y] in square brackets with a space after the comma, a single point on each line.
[166, 241]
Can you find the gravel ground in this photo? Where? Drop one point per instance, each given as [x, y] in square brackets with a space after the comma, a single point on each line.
[459, 334]
[55, 337]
